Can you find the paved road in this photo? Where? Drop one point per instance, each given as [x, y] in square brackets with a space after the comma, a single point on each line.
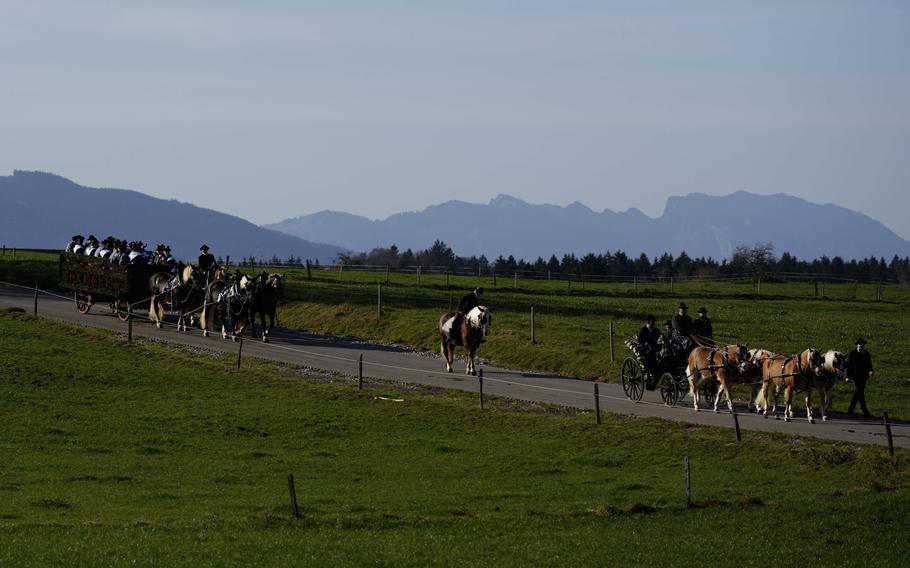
[392, 363]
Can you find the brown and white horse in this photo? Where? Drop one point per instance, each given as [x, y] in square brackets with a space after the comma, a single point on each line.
[474, 326]
[753, 375]
[186, 295]
[834, 367]
[708, 363]
[797, 372]
[269, 292]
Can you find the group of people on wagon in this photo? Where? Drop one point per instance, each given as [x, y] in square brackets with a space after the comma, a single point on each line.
[115, 251]
[679, 336]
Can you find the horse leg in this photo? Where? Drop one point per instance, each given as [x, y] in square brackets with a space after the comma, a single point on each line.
[788, 403]
[443, 348]
[825, 397]
[693, 388]
[809, 406]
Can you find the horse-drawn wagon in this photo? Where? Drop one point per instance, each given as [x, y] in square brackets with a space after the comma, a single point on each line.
[666, 374]
[94, 280]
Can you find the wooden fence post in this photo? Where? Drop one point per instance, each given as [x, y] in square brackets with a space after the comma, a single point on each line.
[418, 274]
[548, 275]
[239, 351]
[888, 432]
[386, 273]
[293, 494]
[379, 301]
[612, 357]
[227, 261]
[480, 383]
[533, 327]
[515, 284]
[309, 275]
[688, 484]
[494, 277]
[447, 278]
[739, 437]
[360, 373]
[635, 284]
[816, 287]
[671, 284]
[129, 324]
[597, 401]
[36, 300]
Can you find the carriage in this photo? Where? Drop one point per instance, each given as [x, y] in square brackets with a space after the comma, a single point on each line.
[667, 375]
[94, 280]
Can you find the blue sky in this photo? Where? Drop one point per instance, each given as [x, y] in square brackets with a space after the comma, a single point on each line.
[275, 109]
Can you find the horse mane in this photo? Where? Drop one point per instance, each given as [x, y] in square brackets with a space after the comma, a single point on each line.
[475, 316]
[830, 357]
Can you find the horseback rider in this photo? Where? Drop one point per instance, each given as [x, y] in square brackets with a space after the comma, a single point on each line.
[467, 303]
[682, 328]
[701, 327]
[75, 245]
[207, 263]
[647, 342]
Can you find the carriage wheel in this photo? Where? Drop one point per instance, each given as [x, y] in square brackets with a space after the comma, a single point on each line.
[122, 308]
[83, 302]
[709, 392]
[633, 380]
[669, 389]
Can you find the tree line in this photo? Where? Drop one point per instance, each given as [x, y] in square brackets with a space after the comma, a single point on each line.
[758, 259]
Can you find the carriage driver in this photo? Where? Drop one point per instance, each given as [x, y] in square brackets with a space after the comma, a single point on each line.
[467, 303]
[647, 341]
[682, 328]
[701, 327]
[207, 262]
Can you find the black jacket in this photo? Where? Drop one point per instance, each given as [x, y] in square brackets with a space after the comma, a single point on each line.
[206, 261]
[467, 303]
[859, 364]
[702, 328]
[682, 324]
[647, 338]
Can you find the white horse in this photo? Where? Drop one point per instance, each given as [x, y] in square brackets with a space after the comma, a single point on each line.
[474, 326]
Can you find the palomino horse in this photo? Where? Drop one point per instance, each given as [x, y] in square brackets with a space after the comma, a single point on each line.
[228, 299]
[707, 363]
[269, 291]
[797, 372]
[474, 326]
[184, 294]
[834, 367]
[753, 375]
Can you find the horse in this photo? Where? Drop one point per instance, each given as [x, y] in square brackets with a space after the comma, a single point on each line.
[834, 367]
[234, 299]
[269, 291]
[791, 374]
[753, 375]
[706, 363]
[183, 294]
[474, 326]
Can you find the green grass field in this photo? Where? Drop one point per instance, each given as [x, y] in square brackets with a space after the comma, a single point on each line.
[572, 324]
[149, 453]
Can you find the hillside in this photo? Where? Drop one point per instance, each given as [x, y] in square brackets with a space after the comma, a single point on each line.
[42, 210]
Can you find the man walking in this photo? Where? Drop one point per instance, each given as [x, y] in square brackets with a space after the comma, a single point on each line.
[859, 370]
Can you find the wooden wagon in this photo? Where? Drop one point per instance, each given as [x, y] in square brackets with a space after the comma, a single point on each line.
[93, 280]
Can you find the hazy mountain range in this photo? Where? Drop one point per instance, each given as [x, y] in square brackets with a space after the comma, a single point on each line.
[41, 210]
[699, 224]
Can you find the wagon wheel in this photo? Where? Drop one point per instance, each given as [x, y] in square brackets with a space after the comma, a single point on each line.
[669, 389]
[121, 307]
[633, 380]
[709, 392]
[83, 302]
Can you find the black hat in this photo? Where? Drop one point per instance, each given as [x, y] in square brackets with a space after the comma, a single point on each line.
[683, 306]
[668, 323]
[78, 238]
[702, 310]
[859, 341]
[650, 318]
[92, 238]
[204, 247]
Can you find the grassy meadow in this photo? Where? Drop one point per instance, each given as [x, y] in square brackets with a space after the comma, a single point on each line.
[152, 453]
[573, 320]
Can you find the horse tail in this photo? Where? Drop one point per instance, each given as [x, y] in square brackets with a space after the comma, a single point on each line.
[761, 399]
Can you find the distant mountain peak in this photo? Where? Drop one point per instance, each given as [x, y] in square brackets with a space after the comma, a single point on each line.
[504, 200]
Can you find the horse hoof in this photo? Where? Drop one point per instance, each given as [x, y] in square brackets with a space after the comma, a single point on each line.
[786, 418]
[698, 410]
[811, 421]
[205, 334]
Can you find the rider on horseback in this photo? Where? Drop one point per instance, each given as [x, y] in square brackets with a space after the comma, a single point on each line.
[467, 303]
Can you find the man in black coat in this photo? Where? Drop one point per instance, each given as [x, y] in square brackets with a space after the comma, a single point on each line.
[859, 370]
[701, 327]
[647, 342]
[682, 328]
[207, 261]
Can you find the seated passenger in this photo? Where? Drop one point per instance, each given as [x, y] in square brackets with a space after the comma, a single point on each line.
[138, 253]
[91, 245]
[76, 245]
[104, 251]
[647, 343]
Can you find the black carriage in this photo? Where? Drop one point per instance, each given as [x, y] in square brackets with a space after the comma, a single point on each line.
[93, 280]
[666, 373]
